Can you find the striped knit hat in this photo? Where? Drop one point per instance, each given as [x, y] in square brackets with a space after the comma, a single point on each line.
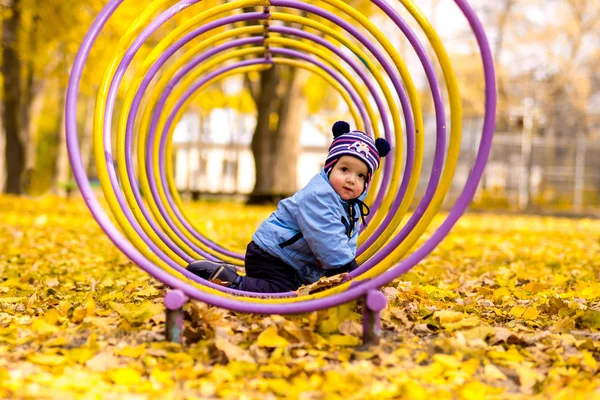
[356, 144]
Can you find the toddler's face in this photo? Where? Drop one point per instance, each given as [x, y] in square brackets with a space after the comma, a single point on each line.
[348, 177]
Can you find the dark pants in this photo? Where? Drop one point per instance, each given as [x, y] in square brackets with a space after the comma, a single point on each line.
[267, 274]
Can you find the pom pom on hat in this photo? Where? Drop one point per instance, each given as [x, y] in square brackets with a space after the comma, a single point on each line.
[339, 128]
[383, 147]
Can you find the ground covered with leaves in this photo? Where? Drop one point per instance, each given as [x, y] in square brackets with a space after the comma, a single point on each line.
[506, 307]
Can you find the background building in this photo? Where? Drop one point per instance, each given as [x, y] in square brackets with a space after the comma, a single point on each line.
[528, 167]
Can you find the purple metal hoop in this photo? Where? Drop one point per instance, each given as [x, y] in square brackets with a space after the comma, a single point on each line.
[197, 60]
[301, 305]
[440, 143]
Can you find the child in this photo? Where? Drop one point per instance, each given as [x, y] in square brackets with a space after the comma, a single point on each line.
[313, 233]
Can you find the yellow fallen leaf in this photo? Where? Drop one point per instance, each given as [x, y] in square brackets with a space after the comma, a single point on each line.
[207, 389]
[480, 332]
[503, 335]
[463, 323]
[14, 283]
[344, 340]
[221, 374]
[31, 301]
[280, 387]
[421, 356]
[131, 351]
[517, 311]
[560, 279]
[56, 342]
[430, 373]
[453, 320]
[448, 361]
[351, 328]
[589, 361]
[474, 391]
[43, 328]
[148, 291]
[130, 286]
[90, 306]
[414, 391]
[164, 378]
[270, 338]
[302, 335]
[590, 319]
[46, 359]
[80, 355]
[590, 292]
[528, 313]
[136, 314]
[103, 362]
[501, 292]
[241, 368]
[7, 301]
[528, 377]
[233, 352]
[320, 285]
[78, 315]
[531, 313]
[470, 367]
[492, 373]
[333, 317]
[448, 316]
[41, 220]
[52, 317]
[64, 307]
[125, 376]
[512, 355]
[78, 380]
[535, 287]
[347, 383]
[92, 342]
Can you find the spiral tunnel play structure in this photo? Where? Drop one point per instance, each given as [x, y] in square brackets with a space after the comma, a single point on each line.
[329, 38]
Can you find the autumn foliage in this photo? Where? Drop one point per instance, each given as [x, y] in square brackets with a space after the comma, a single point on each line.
[506, 307]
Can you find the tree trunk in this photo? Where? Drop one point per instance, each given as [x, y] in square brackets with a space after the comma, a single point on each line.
[263, 138]
[11, 68]
[292, 113]
[502, 21]
[31, 105]
[62, 184]
[2, 150]
[276, 149]
[31, 111]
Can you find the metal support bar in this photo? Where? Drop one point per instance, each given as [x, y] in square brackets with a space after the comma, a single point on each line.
[266, 26]
[174, 302]
[374, 302]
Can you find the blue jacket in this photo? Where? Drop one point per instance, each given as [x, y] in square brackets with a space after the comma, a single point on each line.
[311, 231]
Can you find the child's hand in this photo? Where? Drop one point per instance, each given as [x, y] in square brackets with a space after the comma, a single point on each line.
[351, 266]
[321, 285]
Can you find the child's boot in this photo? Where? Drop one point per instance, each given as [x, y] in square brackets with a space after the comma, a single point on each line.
[211, 270]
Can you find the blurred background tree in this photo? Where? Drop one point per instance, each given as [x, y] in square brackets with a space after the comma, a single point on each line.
[546, 55]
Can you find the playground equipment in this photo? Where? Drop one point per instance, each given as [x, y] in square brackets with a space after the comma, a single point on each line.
[154, 231]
